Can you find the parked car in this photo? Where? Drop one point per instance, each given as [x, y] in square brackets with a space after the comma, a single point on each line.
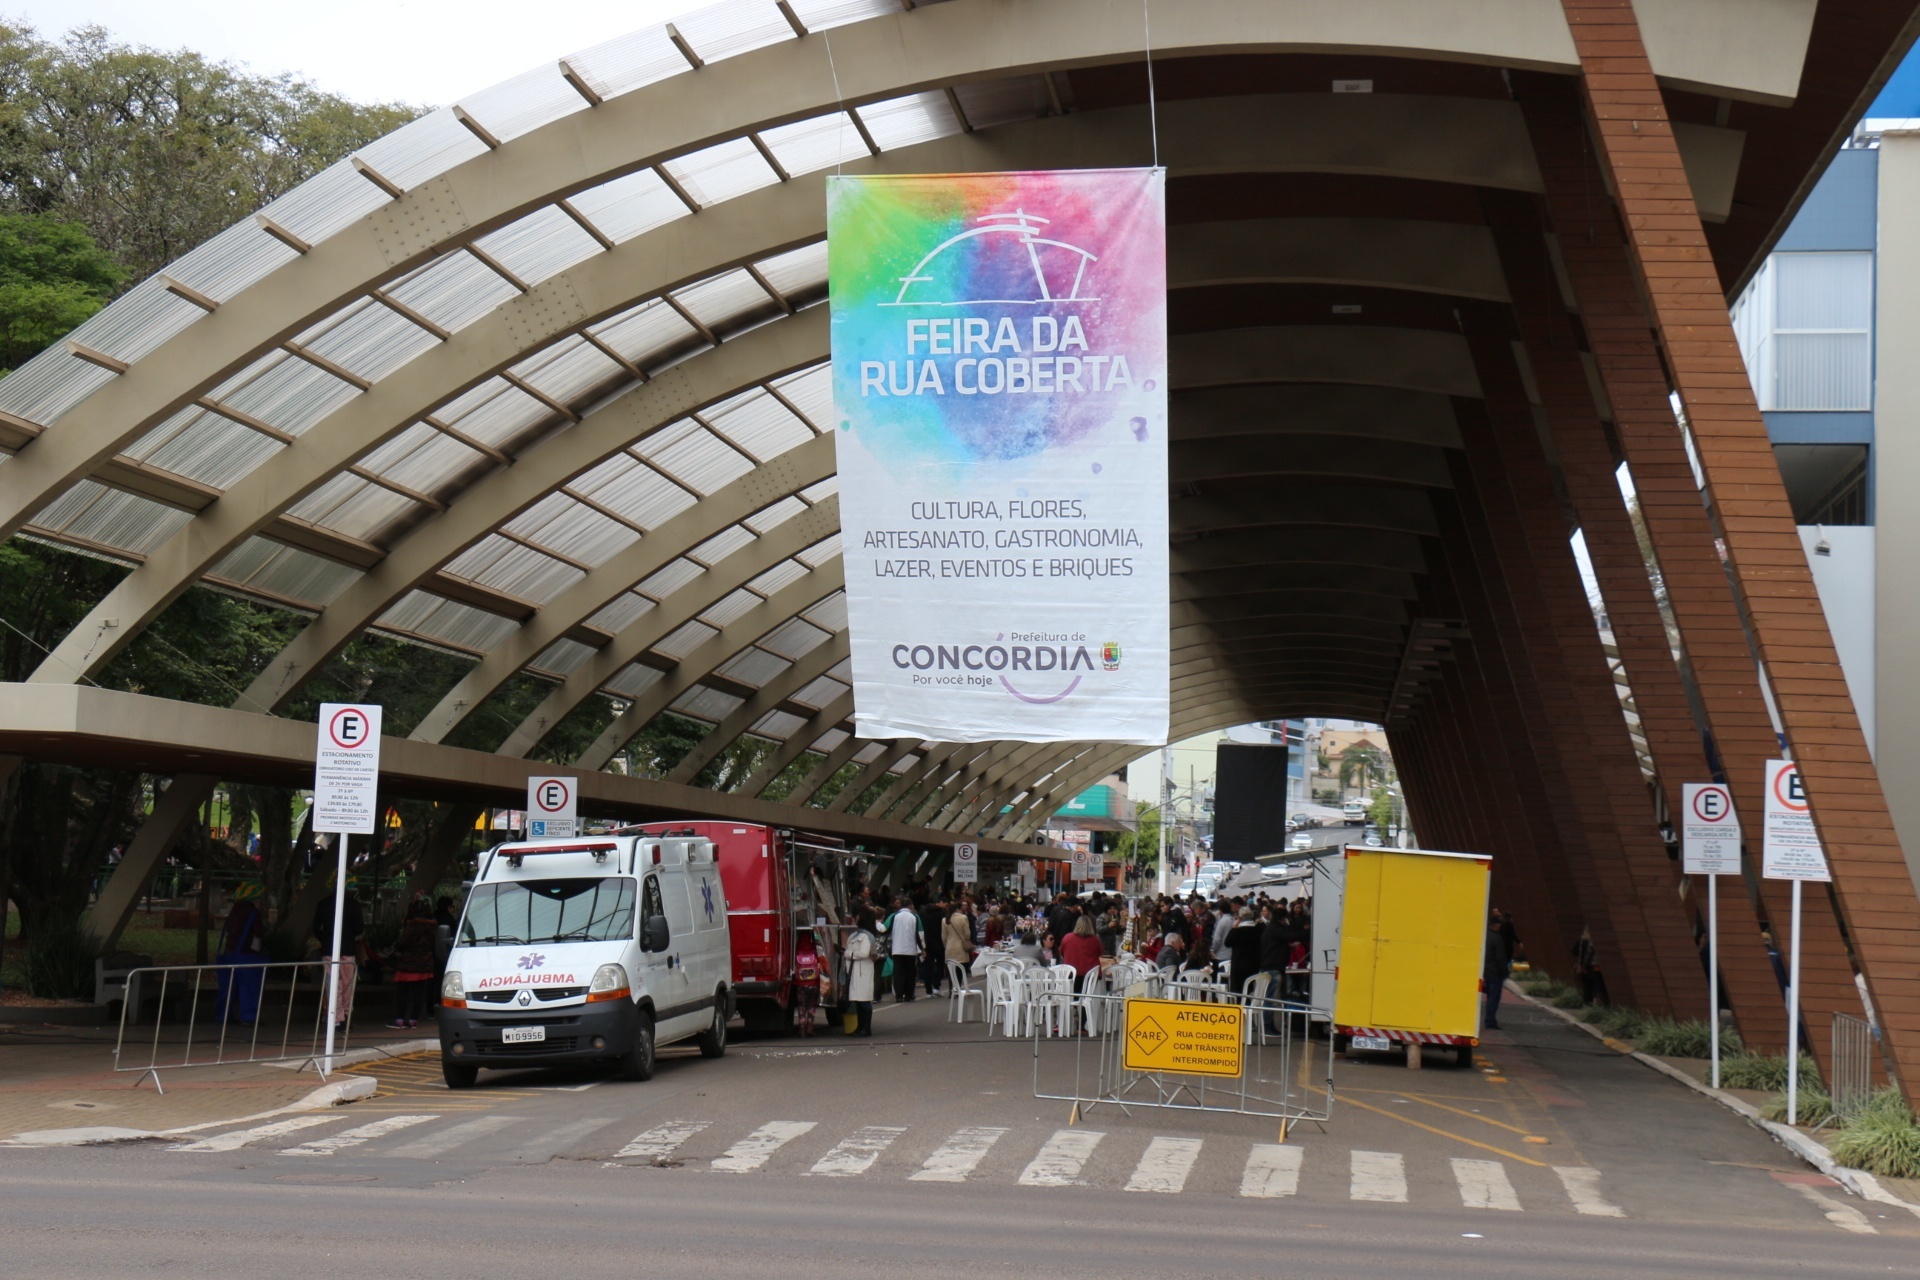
[1301, 840]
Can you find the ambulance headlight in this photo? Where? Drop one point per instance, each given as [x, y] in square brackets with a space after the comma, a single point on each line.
[453, 990]
[609, 983]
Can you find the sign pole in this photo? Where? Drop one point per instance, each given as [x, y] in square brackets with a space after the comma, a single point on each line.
[1793, 1016]
[1166, 798]
[1713, 969]
[333, 968]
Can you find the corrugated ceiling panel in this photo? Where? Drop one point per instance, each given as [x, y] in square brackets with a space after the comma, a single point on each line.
[524, 103]
[695, 456]
[562, 657]
[777, 725]
[544, 243]
[830, 613]
[720, 545]
[454, 290]
[707, 704]
[793, 638]
[685, 640]
[759, 424]
[633, 680]
[721, 172]
[775, 516]
[621, 612]
[634, 490]
[782, 574]
[799, 270]
[668, 579]
[729, 607]
[811, 392]
[753, 666]
[215, 451]
[630, 206]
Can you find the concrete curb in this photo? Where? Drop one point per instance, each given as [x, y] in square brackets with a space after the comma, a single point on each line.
[354, 1057]
[332, 1094]
[1858, 1181]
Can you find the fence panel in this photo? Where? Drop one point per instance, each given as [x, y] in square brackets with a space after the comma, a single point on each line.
[1852, 1081]
[209, 1015]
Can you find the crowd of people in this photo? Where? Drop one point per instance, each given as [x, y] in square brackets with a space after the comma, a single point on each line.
[904, 945]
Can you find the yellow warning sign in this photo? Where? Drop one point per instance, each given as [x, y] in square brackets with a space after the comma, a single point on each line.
[1185, 1036]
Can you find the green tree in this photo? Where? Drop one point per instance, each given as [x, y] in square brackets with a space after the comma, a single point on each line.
[1360, 765]
[52, 277]
[155, 152]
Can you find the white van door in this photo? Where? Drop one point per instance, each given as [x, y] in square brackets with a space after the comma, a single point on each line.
[709, 956]
[661, 974]
[676, 990]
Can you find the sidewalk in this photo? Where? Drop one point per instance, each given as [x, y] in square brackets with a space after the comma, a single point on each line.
[58, 1084]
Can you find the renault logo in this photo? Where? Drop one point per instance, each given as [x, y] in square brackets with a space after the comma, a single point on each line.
[526, 997]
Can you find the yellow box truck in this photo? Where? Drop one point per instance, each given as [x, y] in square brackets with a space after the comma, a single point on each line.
[1413, 935]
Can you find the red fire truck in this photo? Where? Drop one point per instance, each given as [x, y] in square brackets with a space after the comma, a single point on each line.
[778, 882]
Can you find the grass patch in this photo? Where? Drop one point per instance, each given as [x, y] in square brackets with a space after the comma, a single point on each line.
[1668, 1038]
[1568, 999]
[1883, 1139]
[1765, 1071]
[1815, 1107]
[1614, 1020]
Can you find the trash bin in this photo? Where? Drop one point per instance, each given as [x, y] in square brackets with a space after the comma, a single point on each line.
[241, 987]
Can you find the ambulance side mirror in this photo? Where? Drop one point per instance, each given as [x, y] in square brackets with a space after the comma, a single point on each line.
[655, 937]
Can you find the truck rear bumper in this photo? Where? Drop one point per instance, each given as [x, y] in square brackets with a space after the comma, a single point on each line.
[1404, 1037]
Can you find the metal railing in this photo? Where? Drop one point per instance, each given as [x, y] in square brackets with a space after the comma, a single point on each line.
[1851, 1082]
[210, 1015]
[1284, 1073]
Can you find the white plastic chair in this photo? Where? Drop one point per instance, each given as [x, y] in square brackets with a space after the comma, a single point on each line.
[1253, 994]
[960, 989]
[1003, 996]
[1091, 1008]
[1060, 980]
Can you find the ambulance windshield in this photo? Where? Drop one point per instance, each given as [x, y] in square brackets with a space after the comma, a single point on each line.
[593, 909]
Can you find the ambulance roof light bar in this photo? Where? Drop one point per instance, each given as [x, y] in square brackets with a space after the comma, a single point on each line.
[598, 848]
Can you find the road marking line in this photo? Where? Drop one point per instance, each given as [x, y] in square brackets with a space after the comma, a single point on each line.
[1165, 1165]
[241, 1137]
[855, 1154]
[757, 1147]
[1272, 1171]
[1583, 1188]
[1347, 1100]
[661, 1140]
[1843, 1216]
[1484, 1185]
[438, 1144]
[959, 1155]
[554, 1141]
[1060, 1161]
[1471, 1115]
[354, 1137]
[1378, 1175]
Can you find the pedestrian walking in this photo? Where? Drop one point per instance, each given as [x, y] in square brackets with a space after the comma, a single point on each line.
[1242, 945]
[903, 932]
[1593, 982]
[933, 959]
[862, 951]
[958, 936]
[1497, 964]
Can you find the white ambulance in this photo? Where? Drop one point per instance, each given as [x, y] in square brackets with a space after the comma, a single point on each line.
[598, 949]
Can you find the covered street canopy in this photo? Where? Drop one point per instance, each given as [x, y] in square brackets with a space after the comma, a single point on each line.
[540, 380]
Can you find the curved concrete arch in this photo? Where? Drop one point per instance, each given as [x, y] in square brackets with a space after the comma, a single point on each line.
[1017, 775]
[1451, 258]
[1345, 506]
[1327, 409]
[798, 742]
[1333, 457]
[1217, 584]
[1073, 778]
[950, 773]
[776, 610]
[1346, 606]
[829, 765]
[1442, 139]
[875, 769]
[1019, 797]
[938, 755]
[1410, 359]
[798, 468]
[982, 778]
[742, 230]
[809, 667]
[1248, 548]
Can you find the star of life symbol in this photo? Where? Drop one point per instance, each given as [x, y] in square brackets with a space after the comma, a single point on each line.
[532, 961]
[706, 892]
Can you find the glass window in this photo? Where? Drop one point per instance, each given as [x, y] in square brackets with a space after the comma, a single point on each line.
[584, 909]
[1806, 330]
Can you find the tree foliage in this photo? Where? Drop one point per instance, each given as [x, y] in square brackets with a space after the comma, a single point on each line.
[154, 152]
[52, 278]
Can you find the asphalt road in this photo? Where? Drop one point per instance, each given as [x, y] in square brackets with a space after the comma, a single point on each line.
[924, 1153]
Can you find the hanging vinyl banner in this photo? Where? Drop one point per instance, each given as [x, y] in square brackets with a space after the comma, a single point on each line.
[1000, 386]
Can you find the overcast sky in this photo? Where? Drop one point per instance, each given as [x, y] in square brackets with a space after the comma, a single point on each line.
[422, 51]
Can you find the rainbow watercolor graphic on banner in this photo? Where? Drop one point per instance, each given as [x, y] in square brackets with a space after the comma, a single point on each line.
[952, 293]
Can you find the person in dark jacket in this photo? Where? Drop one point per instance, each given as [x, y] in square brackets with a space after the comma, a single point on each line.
[1243, 950]
[413, 965]
[1499, 961]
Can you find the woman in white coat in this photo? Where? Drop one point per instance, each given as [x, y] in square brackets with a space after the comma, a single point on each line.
[862, 949]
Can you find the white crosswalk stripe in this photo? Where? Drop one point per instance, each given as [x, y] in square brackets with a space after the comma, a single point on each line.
[1378, 1175]
[1272, 1171]
[1060, 1161]
[855, 1154]
[554, 1141]
[1583, 1188]
[1164, 1165]
[1484, 1185]
[959, 1155]
[238, 1138]
[758, 1147]
[354, 1137]
[452, 1138]
[662, 1140]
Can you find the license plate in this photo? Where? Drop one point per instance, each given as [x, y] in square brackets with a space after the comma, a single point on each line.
[523, 1035]
[1377, 1043]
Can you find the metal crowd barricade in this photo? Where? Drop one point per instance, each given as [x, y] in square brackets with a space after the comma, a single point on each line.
[210, 1015]
[1852, 1082]
[1286, 1075]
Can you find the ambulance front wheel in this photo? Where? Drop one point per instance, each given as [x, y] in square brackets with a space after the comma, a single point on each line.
[458, 1077]
[637, 1062]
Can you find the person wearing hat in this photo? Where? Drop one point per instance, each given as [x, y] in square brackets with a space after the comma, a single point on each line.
[243, 942]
